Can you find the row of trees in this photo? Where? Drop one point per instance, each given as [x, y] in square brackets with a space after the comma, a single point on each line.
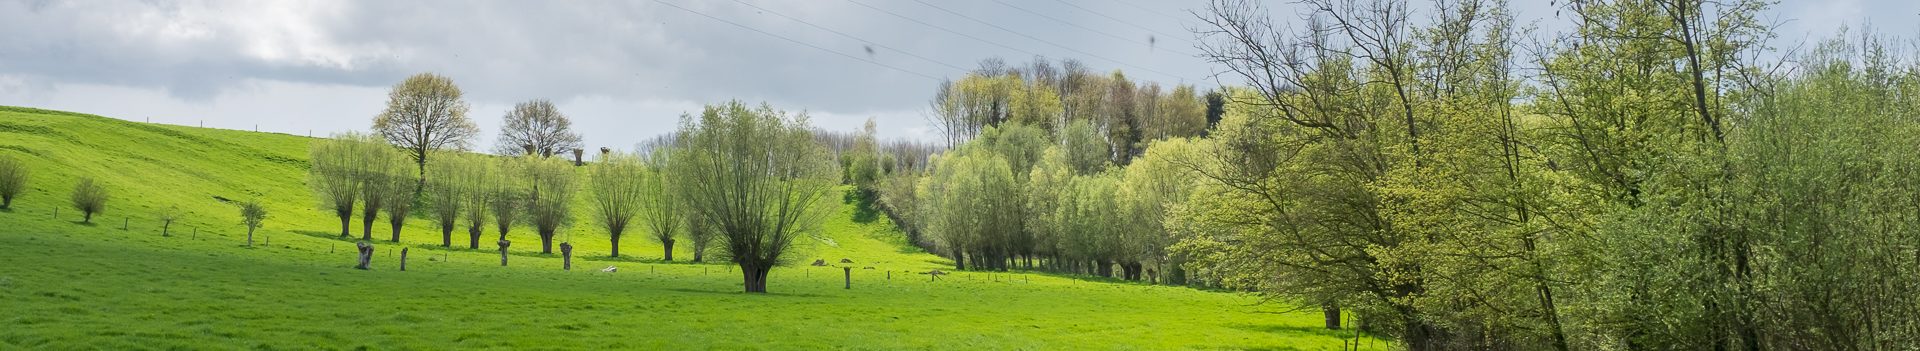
[1050, 97]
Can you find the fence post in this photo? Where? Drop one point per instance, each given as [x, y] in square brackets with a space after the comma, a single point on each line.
[123, 223]
[849, 273]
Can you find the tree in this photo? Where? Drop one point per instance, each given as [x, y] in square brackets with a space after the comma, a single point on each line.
[425, 113]
[13, 179]
[167, 217]
[453, 181]
[536, 128]
[863, 162]
[508, 195]
[549, 195]
[398, 198]
[334, 175]
[479, 190]
[661, 204]
[375, 188]
[757, 176]
[89, 197]
[1086, 150]
[252, 214]
[618, 191]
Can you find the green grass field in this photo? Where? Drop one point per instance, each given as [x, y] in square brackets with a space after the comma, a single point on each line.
[68, 285]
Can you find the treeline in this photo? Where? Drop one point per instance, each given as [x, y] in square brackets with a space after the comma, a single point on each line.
[741, 181]
[1644, 180]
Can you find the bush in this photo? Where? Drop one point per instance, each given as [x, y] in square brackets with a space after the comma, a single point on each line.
[13, 180]
[90, 198]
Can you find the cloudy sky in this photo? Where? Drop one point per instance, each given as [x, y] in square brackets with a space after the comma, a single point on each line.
[624, 71]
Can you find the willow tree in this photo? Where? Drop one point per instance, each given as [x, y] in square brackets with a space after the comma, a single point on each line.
[447, 192]
[399, 196]
[13, 180]
[334, 175]
[757, 176]
[660, 202]
[549, 197]
[476, 198]
[618, 182]
[372, 172]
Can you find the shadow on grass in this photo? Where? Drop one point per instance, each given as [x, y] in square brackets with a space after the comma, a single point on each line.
[864, 209]
[775, 294]
[1342, 334]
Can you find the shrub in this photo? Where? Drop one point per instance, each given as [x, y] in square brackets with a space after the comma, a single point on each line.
[90, 198]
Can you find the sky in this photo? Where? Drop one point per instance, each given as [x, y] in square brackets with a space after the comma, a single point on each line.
[623, 71]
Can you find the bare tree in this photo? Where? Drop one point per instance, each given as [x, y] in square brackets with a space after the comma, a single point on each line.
[536, 128]
[89, 197]
[617, 192]
[167, 217]
[757, 176]
[425, 113]
[13, 180]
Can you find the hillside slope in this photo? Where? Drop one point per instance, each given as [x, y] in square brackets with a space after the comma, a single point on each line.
[73, 285]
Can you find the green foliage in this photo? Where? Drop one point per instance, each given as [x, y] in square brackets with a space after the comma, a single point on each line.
[619, 183]
[755, 175]
[550, 187]
[89, 197]
[13, 179]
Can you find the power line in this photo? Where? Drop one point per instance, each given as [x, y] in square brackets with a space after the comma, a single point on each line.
[990, 24]
[1144, 9]
[944, 29]
[1135, 25]
[856, 58]
[1077, 25]
[850, 36]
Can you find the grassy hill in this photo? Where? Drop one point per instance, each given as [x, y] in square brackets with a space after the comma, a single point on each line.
[72, 285]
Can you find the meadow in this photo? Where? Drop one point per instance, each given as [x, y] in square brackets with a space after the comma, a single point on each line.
[73, 285]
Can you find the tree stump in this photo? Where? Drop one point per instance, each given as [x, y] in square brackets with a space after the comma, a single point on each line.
[849, 275]
[503, 251]
[403, 259]
[566, 256]
[366, 255]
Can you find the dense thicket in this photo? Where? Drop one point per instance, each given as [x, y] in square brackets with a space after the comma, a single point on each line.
[1641, 181]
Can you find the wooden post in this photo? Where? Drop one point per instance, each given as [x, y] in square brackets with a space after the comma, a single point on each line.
[196, 234]
[849, 273]
[566, 256]
[403, 259]
[123, 223]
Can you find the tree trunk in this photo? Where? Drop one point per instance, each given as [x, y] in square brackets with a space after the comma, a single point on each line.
[959, 260]
[756, 277]
[346, 223]
[698, 252]
[615, 238]
[366, 255]
[164, 227]
[446, 236]
[546, 241]
[403, 259]
[566, 256]
[503, 252]
[1332, 313]
[848, 271]
[473, 238]
[6, 202]
[1105, 268]
[668, 248]
[249, 236]
[86, 217]
[366, 225]
[396, 231]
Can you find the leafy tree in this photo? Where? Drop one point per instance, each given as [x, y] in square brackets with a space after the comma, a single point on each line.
[89, 197]
[252, 214]
[549, 195]
[1086, 150]
[13, 179]
[454, 180]
[661, 204]
[536, 128]
[375, 188]
[398, 196]
[334, 175]
[425, 113]
[167, 216]
[508, 195]
[757, 177]
[480, 189]
[619, 181]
